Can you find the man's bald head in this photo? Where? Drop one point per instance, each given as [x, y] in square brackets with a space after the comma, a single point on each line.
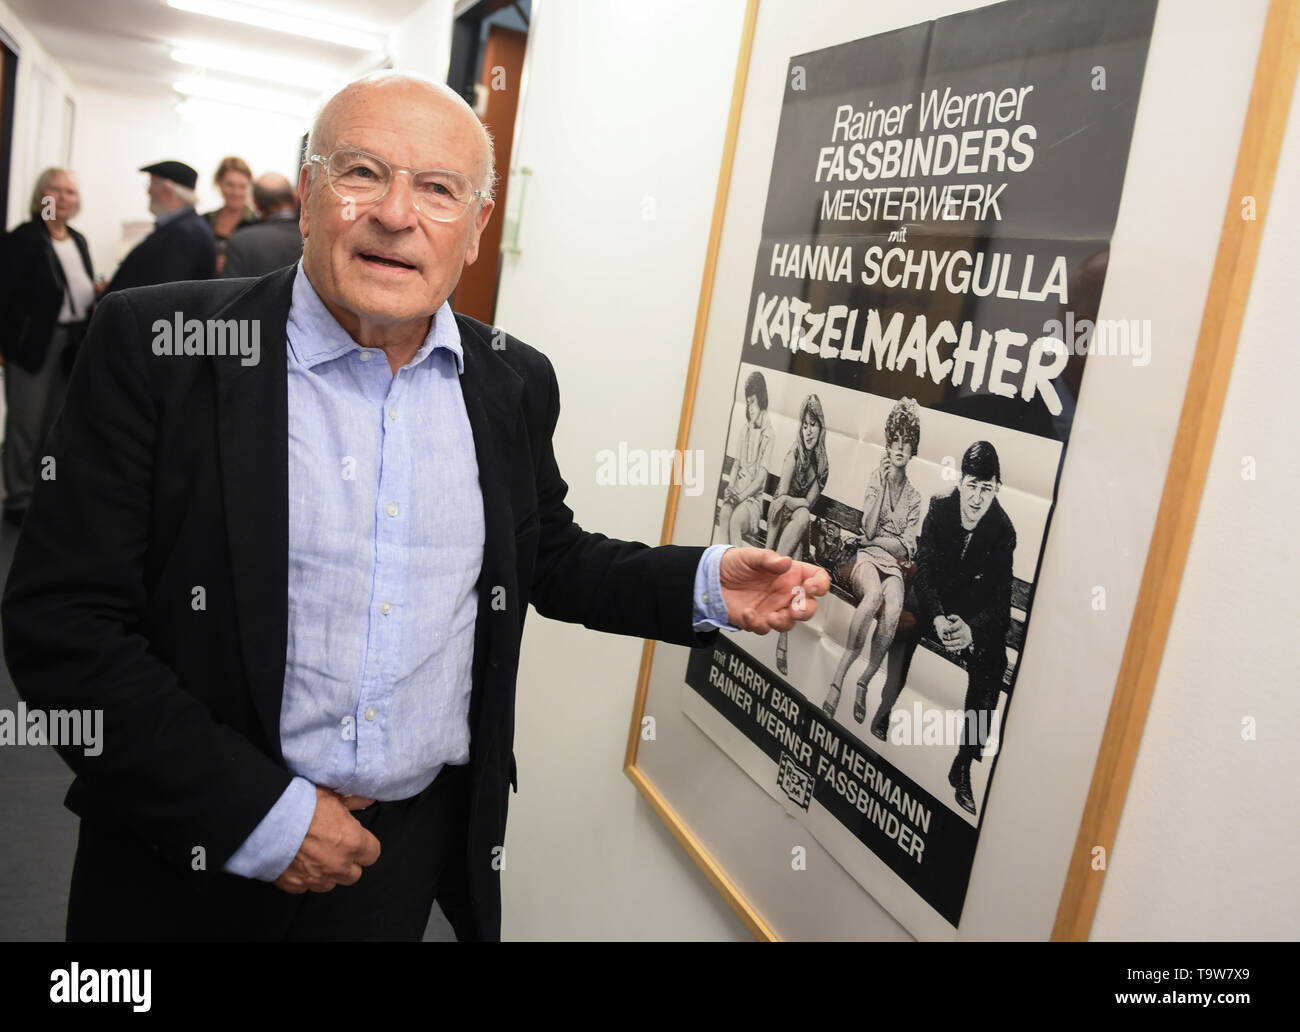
[404, 87]
[273, 193]
[385, 261]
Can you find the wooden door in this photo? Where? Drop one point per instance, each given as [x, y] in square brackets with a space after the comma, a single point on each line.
[503, 65]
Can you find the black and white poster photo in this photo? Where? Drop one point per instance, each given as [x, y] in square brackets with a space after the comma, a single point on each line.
[921, 318]
[915, 514]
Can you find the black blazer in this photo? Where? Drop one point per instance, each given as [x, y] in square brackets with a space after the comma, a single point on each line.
[32, 286]
[172, 473]
[976, 587]
[183, 249]
[263, 248]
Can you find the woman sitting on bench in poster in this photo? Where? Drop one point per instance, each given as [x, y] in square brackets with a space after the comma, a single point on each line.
[742, 505]
[803, 478]
[891, 518]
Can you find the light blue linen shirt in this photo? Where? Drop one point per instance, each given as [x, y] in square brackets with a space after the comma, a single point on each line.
[385, 546]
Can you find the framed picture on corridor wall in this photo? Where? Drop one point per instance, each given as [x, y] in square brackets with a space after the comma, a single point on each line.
[972, 292]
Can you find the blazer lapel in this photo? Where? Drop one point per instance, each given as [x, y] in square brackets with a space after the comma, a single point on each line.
[253, 443]
[491, 390]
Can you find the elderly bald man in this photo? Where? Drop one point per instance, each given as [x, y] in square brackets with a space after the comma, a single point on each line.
[275, 241]
[295, 584]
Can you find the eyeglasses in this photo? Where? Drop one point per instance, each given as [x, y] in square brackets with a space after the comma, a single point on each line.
[357, 175]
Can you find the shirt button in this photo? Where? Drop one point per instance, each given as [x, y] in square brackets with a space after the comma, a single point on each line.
[704, 597]
[392, 413]
[392, 509]
[386, 608]
[371, 713]
[366, 356]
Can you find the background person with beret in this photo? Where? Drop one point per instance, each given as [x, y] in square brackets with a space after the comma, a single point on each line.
[182, 246]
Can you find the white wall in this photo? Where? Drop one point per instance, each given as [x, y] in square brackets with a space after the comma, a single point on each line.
[1208, 842]
[1207, 845]
[38, 115]
[422, 43]
[625, 114]
[117, 133]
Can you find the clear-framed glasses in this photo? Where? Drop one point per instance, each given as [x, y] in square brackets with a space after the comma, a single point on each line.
[364, 178]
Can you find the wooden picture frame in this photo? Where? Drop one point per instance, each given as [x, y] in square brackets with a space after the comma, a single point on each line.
[1183, 479]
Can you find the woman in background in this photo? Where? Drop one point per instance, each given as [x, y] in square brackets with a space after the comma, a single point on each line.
[803, 478]
[891, 521]
[233, 178]
[47, 290]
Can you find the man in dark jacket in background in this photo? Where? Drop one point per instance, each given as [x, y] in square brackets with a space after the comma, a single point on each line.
[182, 246]
[274, 242]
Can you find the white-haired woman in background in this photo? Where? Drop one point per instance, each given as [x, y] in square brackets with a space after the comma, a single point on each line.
[47, 290]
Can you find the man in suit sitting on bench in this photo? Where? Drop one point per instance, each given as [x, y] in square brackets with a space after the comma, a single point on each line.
[963, 595]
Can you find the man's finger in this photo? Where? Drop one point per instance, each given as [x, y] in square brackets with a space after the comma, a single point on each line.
[350, 876]
[776, 620]
[355, 802]
[814, 579]
[774, 563]
[815, 585]
[369, 851]
[808, 609]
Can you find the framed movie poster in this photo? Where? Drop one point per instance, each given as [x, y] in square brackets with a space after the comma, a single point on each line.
[973, 288]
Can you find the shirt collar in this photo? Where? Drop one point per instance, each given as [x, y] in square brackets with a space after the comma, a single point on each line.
[315, 336]
[170, 216]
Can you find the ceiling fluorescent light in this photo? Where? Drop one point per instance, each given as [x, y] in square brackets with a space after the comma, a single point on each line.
[281, 21]
[219, 113]
[242, 96]
[255, 66]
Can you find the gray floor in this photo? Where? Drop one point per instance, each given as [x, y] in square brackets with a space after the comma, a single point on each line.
[38, 836]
